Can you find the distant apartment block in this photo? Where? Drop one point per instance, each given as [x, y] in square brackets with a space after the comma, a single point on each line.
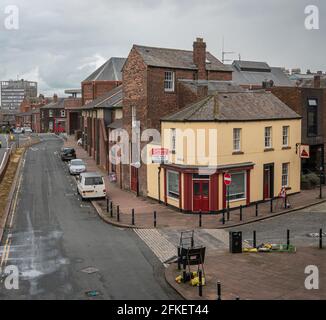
[13, 92]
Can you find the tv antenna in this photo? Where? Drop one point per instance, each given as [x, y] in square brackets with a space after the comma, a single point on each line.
[225, 53]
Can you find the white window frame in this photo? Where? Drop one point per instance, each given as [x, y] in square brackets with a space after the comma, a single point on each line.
[50, 113]
[286, 136]
[268, 137]
[245, 186]
[63, 113]
[173, 132]
[133, 116]
[237, 139]
[169, 83]
[173, 195]
[285, 175]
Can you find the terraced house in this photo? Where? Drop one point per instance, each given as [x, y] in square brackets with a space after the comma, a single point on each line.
[101, 91]
[251, 135]
[153, 88]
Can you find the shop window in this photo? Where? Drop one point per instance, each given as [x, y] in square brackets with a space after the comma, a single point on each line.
[173, 184]
[237, 189]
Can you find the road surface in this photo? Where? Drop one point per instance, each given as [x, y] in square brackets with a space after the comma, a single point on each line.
[55, 237]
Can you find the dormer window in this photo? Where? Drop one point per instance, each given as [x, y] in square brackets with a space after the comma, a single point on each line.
[169, 81]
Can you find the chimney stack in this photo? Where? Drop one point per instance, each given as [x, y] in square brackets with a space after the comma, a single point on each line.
[317, 81]
[199, 56]
[55, 98]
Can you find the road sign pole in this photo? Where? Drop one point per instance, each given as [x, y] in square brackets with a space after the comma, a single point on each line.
[228, 195]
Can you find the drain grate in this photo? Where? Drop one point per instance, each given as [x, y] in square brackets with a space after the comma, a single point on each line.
[90, 270]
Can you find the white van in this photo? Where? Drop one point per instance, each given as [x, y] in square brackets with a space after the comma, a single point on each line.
[91, 185]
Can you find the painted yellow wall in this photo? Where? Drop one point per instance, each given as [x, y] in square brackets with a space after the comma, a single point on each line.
[252, 146]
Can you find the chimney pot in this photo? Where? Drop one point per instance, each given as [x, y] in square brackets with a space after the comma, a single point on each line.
[317, 81]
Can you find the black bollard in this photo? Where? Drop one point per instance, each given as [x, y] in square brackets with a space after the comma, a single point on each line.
[118, 213]
[155, 220]
[272, 205]
[257, 209]
[111, 209]
[219, 291]
[321, 239]
[223, 217]
[179, 258]
[241, 218]
[133, 217]
[107, 204]
[200, 219]
[200, 288]
[254, 240]
[288, 239]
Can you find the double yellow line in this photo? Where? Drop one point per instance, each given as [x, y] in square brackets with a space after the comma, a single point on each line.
[6, 249]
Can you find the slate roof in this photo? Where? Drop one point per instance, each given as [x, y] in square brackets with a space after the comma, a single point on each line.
[112, 99]
[55, 105]
[109, 71]
[237, 106]
[179, 59]
[213, 85]
[254, 73]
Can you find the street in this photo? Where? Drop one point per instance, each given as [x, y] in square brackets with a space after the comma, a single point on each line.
[55, 237]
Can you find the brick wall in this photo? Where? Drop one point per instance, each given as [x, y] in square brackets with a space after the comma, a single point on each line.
[92, 90]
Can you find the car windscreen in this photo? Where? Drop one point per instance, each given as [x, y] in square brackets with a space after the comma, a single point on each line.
[77, 163]
[68, 151]
[93, 181]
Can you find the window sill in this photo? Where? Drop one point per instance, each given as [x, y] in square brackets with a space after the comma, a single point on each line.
[238, 200]
[169, 91]
[286, 148]
[237, 153]
[269, 149]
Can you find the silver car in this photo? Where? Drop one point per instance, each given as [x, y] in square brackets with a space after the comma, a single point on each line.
[77, 166]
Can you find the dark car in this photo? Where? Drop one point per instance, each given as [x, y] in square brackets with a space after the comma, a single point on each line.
[68, 154]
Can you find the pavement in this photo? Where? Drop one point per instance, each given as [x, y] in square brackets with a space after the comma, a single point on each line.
[61, 247]
[3, 149]
[170, 218]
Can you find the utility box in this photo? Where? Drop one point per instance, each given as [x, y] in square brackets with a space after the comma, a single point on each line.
[235, 242]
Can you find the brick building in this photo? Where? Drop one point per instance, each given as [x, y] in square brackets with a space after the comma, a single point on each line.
[152, 89]
[97, 115]
[72, 106]
[309, 100]
[53, 116]
[102, 80]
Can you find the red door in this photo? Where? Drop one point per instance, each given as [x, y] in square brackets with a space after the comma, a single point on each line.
[201, 196]
[134, 179]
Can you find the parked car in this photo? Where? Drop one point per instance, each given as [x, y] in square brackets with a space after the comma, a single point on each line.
[17, 130]
[77, 166]
[27, 130]
[68, 154]
[90, 185]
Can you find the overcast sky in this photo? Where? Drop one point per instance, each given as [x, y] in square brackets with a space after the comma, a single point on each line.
[59, 43]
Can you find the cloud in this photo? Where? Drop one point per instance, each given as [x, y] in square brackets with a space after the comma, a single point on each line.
[60, 43]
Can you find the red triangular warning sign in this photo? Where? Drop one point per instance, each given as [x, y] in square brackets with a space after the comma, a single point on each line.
[304, 153]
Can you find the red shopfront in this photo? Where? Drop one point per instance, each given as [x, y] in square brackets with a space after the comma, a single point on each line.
[201, 192]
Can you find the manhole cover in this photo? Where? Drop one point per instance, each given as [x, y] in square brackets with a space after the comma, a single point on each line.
[90, 270]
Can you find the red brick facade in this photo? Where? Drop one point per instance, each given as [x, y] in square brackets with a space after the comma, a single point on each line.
[143, 88]
[92, 90]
